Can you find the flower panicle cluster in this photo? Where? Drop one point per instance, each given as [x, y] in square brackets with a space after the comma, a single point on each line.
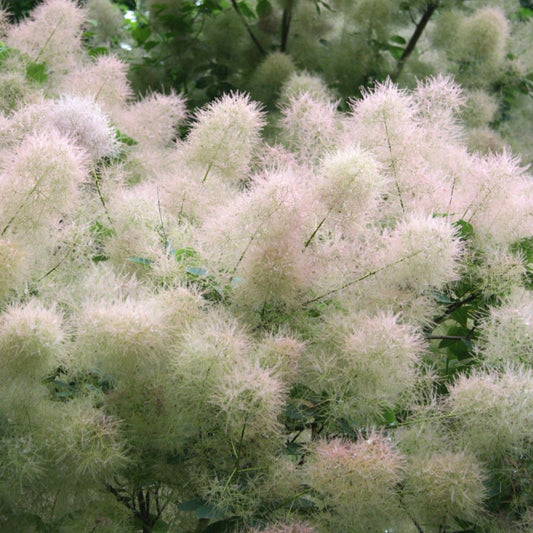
[81, 120]
[493, 411]
[507, 332]
[153, 120]
[257, 327]
[357, 479]
[51, 35]
[444, 487]
[311, 127]
[41, 182]
[32, 341]
[103, 80]
[224, 136]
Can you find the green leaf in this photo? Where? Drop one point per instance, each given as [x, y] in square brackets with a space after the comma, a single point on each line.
[396, 51]
[524, 14]
[158, 8]
[465, 229]
[221, 71]
[184, 253]
[442, 298]
[389, 417]
[141, 33]
[100, 230]
[296, 411]
[245, 9]
[161, 527]
[209, 6]
[61, 384]
[264, 8]
[140, 261]
[525, 248]
[36, 72]
[296, 449]
[5, 51]
[99, 51]
[461, 316]
[197, 272]
[398, 39]
[124, 139]
[454, 331]
[148, 45]
[204, 81]
[307, 503]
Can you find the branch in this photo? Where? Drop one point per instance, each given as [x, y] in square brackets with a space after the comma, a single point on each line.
[431, 7]
[363, 277]
[122, 499]
[100, 194]
[56, 266]
[406, 509]
[285, 25]
[248, 29]
[315, 231]
[454, 306]
[142, 504]
[446, 337]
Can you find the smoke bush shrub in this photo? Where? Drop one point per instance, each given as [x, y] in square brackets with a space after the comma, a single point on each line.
[328, 331]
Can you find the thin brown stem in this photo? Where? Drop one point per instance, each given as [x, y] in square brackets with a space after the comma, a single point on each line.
[285, 26]
[361, 278]
[454, 306]
[393, 162]
[21, 206]
[122, 499]
[431, 7]
[52, 33]
[411, 517]
[315, 231]
[55, 267]
[100, 194]
[248, 28]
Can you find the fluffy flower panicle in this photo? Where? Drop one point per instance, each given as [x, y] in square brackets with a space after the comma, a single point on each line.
[423, 251]
[352, 185]
[82, 121]
[507, 332]
[310, 127]
[123, 338]
[357, 479]
[225, 134]
[51, 34]
[494, 412]
[251, 399]
[444, 487]
[104, 81]
[153, 120]
[32, 340]
[41, 181]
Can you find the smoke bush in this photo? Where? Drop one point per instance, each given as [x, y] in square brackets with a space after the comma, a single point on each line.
[326, 332]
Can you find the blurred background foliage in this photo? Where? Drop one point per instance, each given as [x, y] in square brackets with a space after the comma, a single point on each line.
[204, 48]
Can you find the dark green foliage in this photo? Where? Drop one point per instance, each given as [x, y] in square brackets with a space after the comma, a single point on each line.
[18, 9]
